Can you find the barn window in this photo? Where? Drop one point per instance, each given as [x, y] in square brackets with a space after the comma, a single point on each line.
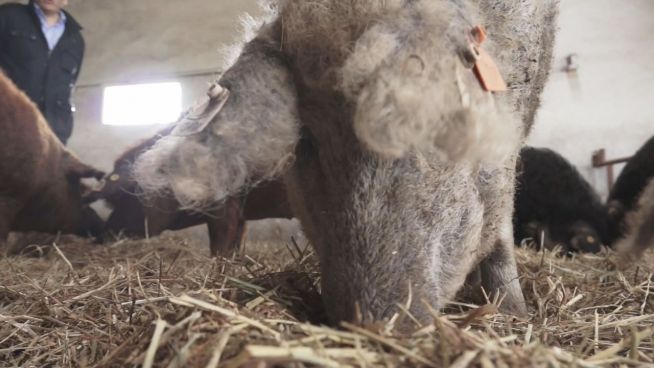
[142, 104]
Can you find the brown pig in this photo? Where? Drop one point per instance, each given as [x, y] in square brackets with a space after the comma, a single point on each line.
[40, 188]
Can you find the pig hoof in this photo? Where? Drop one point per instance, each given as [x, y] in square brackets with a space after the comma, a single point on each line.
[514, 308]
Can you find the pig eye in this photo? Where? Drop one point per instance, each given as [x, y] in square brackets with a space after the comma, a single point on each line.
[114, 177]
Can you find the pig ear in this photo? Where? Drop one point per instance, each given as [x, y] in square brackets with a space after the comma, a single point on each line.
[75, 168]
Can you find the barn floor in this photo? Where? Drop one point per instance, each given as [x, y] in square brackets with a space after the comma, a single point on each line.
[164, 303]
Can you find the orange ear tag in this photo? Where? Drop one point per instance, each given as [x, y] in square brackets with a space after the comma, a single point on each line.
[485, 68]
[479, 34]
[488, 74]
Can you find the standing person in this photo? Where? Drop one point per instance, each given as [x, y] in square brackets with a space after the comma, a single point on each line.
[41, 50]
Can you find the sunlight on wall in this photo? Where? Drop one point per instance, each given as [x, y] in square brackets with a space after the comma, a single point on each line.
[142, 104]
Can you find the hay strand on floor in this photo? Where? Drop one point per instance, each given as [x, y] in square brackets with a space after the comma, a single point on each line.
[164, 303]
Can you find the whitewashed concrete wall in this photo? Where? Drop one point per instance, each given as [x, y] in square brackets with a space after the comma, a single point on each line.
[609, 102]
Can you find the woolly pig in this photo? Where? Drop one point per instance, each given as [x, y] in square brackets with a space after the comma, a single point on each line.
[629, 186]
[552, 196]
[398, 164]
[40, 180]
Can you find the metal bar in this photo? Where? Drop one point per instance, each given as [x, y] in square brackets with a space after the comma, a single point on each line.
[613, 162]
[599, 160]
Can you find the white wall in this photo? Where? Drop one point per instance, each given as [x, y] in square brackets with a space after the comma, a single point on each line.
[609, 102]
[130, 40]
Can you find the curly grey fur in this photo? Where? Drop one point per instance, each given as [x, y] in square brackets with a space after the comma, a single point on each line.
[251, 140]
[403, 176]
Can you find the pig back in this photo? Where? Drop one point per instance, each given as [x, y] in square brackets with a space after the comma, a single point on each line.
[29, 150]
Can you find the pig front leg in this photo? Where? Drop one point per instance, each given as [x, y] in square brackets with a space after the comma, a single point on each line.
[499, 274]
[4, 234]
[8, 209]
[226, 229]
[498, 268]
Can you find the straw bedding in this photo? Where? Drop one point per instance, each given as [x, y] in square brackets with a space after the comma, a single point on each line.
[163, 303]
